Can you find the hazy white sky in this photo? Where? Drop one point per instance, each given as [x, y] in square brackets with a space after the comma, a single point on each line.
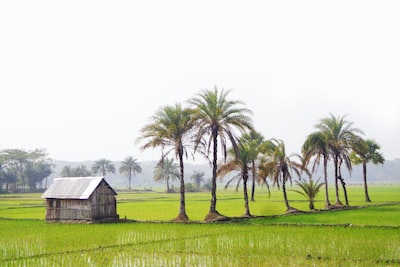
[80, 78]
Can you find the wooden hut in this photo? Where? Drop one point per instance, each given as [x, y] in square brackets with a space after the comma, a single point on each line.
[80, 199]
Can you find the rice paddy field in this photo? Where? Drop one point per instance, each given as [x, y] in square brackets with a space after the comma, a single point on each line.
[366, 235]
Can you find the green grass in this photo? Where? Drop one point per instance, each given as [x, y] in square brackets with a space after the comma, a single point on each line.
[368, 236]
[167, 244]
[162, 206]
[380, 215]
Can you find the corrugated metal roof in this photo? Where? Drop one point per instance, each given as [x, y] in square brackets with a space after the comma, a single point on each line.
[73, 187]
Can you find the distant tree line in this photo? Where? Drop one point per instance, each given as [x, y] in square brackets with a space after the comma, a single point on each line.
[27, 171]
[129, 167]
[23, 171]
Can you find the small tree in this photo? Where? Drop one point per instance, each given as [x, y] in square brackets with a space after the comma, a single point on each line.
[166, 170]
[36, 172]
[309, 189]
[130, 167]
[19, 163]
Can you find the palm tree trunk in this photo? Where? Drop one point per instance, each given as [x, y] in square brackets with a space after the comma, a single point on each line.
[344, 190]
[285, 195]
[253, 186]
[269, 191]
[129, 178]
[213, 205]
[327, 203]
[343, 185]
[182, 209]
[168, 189]
[237, 186]
[246, 197]
[311, 204]
[367, 199]
[338, 203]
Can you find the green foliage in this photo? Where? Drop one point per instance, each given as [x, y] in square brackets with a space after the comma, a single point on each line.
[189, 187]
[22, 170]
[380, 215]
[309, 189]
[36, 172]
[366, 151]
[327, 239]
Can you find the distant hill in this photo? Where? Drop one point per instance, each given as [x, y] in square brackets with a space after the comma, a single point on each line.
[387, 173]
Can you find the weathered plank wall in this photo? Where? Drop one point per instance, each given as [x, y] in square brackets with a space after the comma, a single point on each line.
[100, 205]
[68, 209]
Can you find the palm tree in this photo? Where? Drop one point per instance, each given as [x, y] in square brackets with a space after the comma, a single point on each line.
[170, 127]
[216, 119]
[166, 170]
[103, 166]
[316, 146]
[309, 189]
[254, 142]
[341, 137]
[130, 167]
[280, 166]
[364, 152]
[240, 162]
